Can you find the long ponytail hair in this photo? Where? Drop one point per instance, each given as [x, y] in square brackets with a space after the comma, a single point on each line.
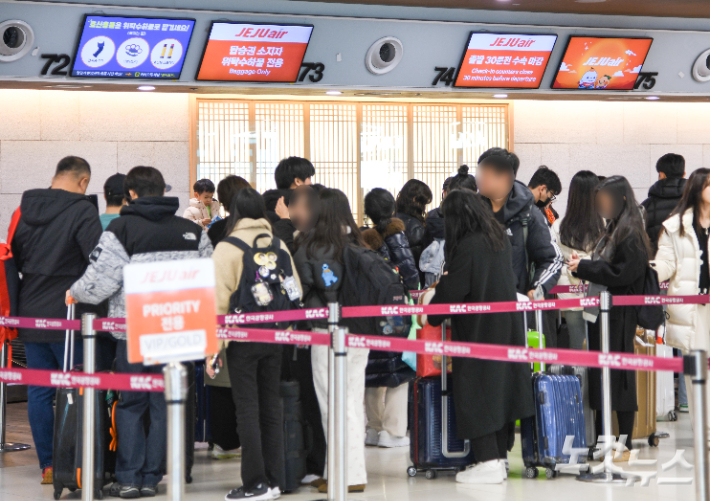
[692, 195]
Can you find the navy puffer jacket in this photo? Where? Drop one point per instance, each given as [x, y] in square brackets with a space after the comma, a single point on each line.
[393, 245]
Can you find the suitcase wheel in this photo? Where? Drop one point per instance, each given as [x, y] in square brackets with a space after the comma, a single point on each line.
[412, 471]
[672, 415]
[71, 489]
[430, 474]
[188, 479]
[58, 494]
[653, 440]
[531, 472]
[550, 473]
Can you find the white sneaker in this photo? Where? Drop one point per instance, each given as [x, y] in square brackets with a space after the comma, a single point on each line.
[275, 492]
[506, 468]
[309, 478]
[219, 453]
[488, 472]
[388, 441]
[372, 437]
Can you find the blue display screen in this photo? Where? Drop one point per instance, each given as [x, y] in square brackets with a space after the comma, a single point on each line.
[132, 47]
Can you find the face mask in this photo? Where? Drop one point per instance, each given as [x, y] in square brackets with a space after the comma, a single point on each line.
[541, 205]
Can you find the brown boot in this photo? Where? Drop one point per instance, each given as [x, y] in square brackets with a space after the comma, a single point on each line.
[47, 476]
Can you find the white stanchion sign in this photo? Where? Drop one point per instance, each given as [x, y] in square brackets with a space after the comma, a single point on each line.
[170, 311]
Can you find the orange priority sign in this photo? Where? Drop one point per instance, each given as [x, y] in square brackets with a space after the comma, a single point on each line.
[170, 311]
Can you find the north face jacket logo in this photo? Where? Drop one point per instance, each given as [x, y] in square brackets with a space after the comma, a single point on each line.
[189, 236]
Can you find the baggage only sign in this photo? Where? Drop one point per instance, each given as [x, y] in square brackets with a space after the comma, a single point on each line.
[170, 311]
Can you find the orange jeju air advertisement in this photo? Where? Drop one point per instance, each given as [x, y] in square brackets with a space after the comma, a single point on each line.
[254, 52]
[602, 63]
[170, 310]
[505, 60]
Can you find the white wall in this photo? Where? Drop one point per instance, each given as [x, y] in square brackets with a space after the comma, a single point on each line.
[113, 131]
[609, 138]
[116, 131]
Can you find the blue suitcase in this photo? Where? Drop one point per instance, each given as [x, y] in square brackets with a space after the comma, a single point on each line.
[559, 413]
[433, 444]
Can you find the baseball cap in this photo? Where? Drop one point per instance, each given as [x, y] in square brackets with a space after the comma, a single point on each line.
[114, 185]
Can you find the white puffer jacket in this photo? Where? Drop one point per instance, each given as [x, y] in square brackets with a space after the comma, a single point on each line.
[678, 260]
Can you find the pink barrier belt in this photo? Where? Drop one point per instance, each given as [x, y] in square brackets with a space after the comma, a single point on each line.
[484, 351]
[579, 289]
[101, 380]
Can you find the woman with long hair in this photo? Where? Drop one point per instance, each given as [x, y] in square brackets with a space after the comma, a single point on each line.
[579, 231]
[412, 200]
[226, 189]
[682, 259]
[254, 368]
[488, 396]
[320, 264]
[618, 264]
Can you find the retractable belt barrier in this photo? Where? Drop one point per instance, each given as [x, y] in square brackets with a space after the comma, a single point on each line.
[144, 382]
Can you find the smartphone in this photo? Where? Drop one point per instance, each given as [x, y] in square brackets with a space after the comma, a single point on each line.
[94, 199]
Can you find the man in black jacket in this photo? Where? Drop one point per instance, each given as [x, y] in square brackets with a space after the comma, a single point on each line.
[537, 260]
[290, 173]
[664, 195]
[58, 229]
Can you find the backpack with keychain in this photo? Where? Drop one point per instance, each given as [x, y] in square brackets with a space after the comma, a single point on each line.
[267, 282]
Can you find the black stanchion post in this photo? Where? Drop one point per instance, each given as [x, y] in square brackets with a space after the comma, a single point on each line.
[5, 446]
[89, 417]
[695, 365]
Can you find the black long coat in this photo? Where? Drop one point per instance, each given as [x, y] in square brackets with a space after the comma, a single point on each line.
[488, 395]
[623, 275]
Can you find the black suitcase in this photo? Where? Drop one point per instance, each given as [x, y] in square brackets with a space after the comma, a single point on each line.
[434, 445]
[295, 450]
[68, 433]
[203, 432]
[190, 419]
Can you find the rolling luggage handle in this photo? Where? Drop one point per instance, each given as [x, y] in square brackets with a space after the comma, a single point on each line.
[538, 325]
[69, 342]
[445, 409]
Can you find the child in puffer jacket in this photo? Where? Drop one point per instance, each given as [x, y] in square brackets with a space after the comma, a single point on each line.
[203, 207]
[388, 237]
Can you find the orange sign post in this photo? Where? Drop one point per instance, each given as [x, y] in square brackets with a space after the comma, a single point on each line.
[170, 311]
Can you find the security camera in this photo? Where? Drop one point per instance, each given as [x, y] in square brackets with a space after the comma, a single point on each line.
[16, 40]
[384, 55]
[701, 67]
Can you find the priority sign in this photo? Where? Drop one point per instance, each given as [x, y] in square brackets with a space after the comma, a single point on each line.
[170, 311]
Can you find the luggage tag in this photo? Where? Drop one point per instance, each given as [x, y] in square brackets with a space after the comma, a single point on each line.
[291, 287]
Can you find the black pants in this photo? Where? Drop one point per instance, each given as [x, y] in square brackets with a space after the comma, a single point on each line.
[491, 446]
[223, 418]
[255, 374]
[297, 366]
[626, 424]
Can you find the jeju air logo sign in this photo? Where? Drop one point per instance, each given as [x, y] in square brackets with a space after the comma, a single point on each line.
[254, 52]
[505, 60]
[602, 63]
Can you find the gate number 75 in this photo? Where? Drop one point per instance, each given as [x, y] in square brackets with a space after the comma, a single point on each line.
[648, 80]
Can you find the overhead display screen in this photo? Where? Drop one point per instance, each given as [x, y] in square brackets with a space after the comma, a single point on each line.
[497, 60]
[254, 52]
[132, 47]
[602, 63]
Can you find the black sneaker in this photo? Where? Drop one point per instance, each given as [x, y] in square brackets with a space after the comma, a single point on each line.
[115, 490]
[258, 493]
[148, 491]
[129, 492]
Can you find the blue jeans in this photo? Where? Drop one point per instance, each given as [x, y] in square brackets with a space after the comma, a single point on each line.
[140, 458]
[40, 398]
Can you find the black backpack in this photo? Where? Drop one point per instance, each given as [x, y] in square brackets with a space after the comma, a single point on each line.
[266, 275]
[369, 280]
[650, 316]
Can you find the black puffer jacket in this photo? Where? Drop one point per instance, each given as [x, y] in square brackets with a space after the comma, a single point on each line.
[434, 227]
[321, 278]
[540, 253]
[414, 230]
[663, 197]
[392, 244]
